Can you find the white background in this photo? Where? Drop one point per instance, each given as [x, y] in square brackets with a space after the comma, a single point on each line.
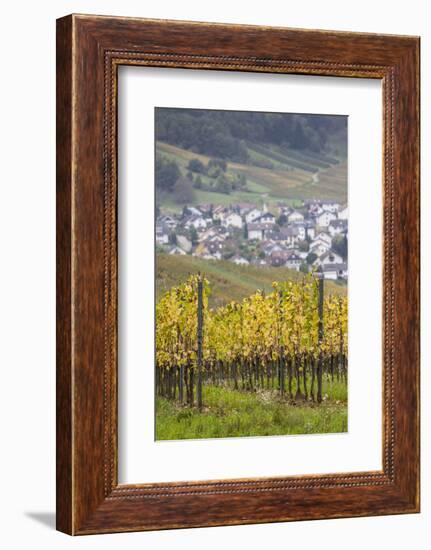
[141, 458]
[27, 309]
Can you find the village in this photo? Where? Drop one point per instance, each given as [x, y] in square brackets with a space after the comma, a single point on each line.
[312, 236]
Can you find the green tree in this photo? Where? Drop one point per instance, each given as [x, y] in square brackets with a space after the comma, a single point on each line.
[339, 245]
[239, 182]
[303, 268]
[228, 251]
[311, 258]
[167, 173]
[223, 185]
[183, 191]
[195, 165]
[245, 231]
[282, 219]
[194, 237]
[216, 166]
[303, 246]
[226, 134]
[197, 183]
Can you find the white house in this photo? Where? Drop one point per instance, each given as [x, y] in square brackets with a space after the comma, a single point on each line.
[239, 260]
[162, 236]
[302, 230]
[259, 261]
[295, 216]
[335, 271]
[258, 230]
[167, 221]
[343, 214]
[311, 229]
[315, 209]
[198, 222]
[329, 258]
[319, 248]
[253, 215]
[212, 246]
[267, 217]
[184, 243]
[278, 258]
[216, 238]
[270, 246]
[206, 210]
[176, 250]
[289, 235]
[243, 207]
[284, 210]
[323, 238]
[271, 235]
[192, 211]
[294, 261]
[219, 212]
[255, 231]
[208, 233]
[325, 218]
[232, 220]
[330, 206]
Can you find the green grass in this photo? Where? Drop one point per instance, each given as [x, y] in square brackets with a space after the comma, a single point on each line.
[228, 280]
[230, 413]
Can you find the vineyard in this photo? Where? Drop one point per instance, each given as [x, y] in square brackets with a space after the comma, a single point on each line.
[289, 341]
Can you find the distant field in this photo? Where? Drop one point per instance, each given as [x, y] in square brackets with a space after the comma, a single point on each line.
[228, 280]
[291, 178]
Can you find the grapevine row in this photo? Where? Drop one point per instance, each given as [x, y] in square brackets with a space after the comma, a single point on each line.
[279, 341]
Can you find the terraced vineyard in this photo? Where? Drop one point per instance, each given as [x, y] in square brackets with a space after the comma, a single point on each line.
[333, 182]
[273, 173]
[229, 281]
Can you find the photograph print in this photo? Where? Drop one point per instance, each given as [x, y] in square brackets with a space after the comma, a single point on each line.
[251, 248]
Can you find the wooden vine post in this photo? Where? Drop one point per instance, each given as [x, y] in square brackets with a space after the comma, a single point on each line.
[280, 342]
[200, 334]
[320, 280]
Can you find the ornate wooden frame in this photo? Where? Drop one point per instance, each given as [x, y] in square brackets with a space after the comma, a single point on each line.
[89, 51]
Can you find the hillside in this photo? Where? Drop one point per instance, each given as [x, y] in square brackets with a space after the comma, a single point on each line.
[226, 134]
[290, 177]
[228, 280]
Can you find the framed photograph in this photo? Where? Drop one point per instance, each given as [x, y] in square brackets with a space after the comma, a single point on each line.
[237, 274]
